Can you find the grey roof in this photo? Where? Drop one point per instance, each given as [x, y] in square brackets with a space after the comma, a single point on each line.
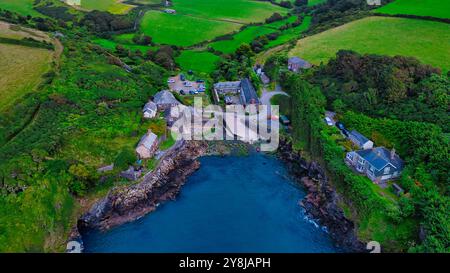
[359, 137]
[299, 61]
[226, 85]
[164, 97]
[249, 92]
[148, 140]
[150, 106]
[379, 157]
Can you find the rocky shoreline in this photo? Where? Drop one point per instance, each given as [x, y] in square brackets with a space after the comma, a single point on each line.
[321, 201]
[127, 204]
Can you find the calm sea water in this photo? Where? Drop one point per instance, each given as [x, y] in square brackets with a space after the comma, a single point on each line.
[232, 204]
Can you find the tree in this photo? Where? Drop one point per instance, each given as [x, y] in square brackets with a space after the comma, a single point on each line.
[300, 3]
[338, 106]
[125, 158]
[244, 50]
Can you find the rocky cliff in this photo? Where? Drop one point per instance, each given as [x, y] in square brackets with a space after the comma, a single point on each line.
[126, 204]
[321, 201]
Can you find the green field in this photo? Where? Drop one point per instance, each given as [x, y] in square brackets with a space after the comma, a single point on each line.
[111, 45]
[23, 7]
[243, 11]
[181, 30]
[202, 20]
[434, 8]
[245, 36]
[315, 2]
[290, 33]
[197, 61]
[280, 23]
[112, 6]
[21, 68]
[425, 40]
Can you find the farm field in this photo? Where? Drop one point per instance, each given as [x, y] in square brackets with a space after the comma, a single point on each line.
[11, 31]
[280, 23]
[425, 40]
[242, 11]
[174, 29]
[434, 8]
[197, 61]
[21, 69]
[111, 45]
[23, 7]
[112, 6]
[290, 33]
[245, 36]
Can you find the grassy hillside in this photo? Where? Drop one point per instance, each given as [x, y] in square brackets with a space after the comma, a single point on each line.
[202, 20]
[113, 6]
[21, 67]
[111, 45]
[23, 7]
[197, 61]
[243, 11]
[434, 8]
[245, 36]
[425, 40]
[183, 30]
[291, 33]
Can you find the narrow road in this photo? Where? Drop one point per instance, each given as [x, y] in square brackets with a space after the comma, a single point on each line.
[267, 95]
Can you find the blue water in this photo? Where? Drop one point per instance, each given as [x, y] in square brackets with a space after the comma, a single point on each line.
[232, 204]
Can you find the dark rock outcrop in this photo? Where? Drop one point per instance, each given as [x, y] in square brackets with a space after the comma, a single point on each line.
[321, 201]
[126, 204]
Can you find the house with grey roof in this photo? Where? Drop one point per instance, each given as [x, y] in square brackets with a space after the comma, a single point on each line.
[295, 64]
[248, 93]
[226, 88]
[379, 164]
[243, 90]
[150, 109]
[165, 99]
[360, 140]
[147, 146]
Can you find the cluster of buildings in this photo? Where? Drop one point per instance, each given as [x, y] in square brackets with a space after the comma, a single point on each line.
[237, 92]
[162, 101]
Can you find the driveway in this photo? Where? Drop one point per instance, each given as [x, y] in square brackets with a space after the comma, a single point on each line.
[267, 95]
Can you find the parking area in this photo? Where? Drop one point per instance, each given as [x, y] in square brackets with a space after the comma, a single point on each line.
[184, 87]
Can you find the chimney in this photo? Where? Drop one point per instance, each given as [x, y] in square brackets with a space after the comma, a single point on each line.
[392, 153]
[149, 132]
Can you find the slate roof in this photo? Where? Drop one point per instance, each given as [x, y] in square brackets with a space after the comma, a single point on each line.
[227, 85]
[165, 97]
[148, 140]
[150, 106]
[302, 63]
[379, 157]
[249, 92]
[359, 137]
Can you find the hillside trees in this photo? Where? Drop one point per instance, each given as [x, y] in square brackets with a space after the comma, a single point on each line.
[381, 86]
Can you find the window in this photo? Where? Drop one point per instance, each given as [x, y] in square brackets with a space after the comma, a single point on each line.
[387, 170]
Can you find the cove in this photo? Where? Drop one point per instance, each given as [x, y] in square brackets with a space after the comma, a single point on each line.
[231, 204]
